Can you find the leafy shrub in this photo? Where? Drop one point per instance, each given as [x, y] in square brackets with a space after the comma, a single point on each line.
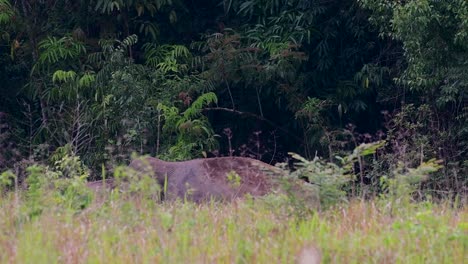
[63, 186]
[404, 183]
[329, 181]
[325, 179]
[141, 184]
[7, 179]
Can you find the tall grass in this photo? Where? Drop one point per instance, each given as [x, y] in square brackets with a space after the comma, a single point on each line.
[121, 230]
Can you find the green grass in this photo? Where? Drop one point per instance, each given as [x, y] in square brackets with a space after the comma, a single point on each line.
[136, 231]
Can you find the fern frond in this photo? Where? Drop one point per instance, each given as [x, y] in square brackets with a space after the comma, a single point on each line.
[150, 29]
[53, 50]
[197, 106]
[311, 108]
[129, 41]
[86, 80]
[108, 6]
[63, 76]
[166, 56]
[6, 12]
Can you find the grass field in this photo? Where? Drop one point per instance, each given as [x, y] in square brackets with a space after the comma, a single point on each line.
[261, 231]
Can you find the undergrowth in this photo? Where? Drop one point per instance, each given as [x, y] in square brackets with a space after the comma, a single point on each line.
[57, 219]
[248, 231]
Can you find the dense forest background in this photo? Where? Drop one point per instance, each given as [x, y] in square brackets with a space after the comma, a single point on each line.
[179, 79]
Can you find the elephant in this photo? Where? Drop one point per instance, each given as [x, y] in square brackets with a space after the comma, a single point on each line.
[220, 178]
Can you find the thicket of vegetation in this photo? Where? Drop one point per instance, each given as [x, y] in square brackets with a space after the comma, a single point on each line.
[58, 219]
[370, 96]
[141, 231]
[101, 79]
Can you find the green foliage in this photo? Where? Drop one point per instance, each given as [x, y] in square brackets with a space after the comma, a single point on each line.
[112, 77]
[275, 23]
[234, 179]
[53, 50]
[235, 63]
[167, 58]
[63, 76]
[402, 186]
[194, 134]
[311, 109]
[435, 52]
[70, 188]
[6, 12]
[86, 80]
[137, 185]
[324, 57]
[112, 103]
[413, 139]
[359, 232]
[363, 150]
[195, 109]
[141, 6]
[326, 180]
[36, 181]
[139, 15]
[7, 179]
[64, 186]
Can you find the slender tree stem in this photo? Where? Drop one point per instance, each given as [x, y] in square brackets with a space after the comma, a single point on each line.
[230, 94]
[259, 102]
[158, 132]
